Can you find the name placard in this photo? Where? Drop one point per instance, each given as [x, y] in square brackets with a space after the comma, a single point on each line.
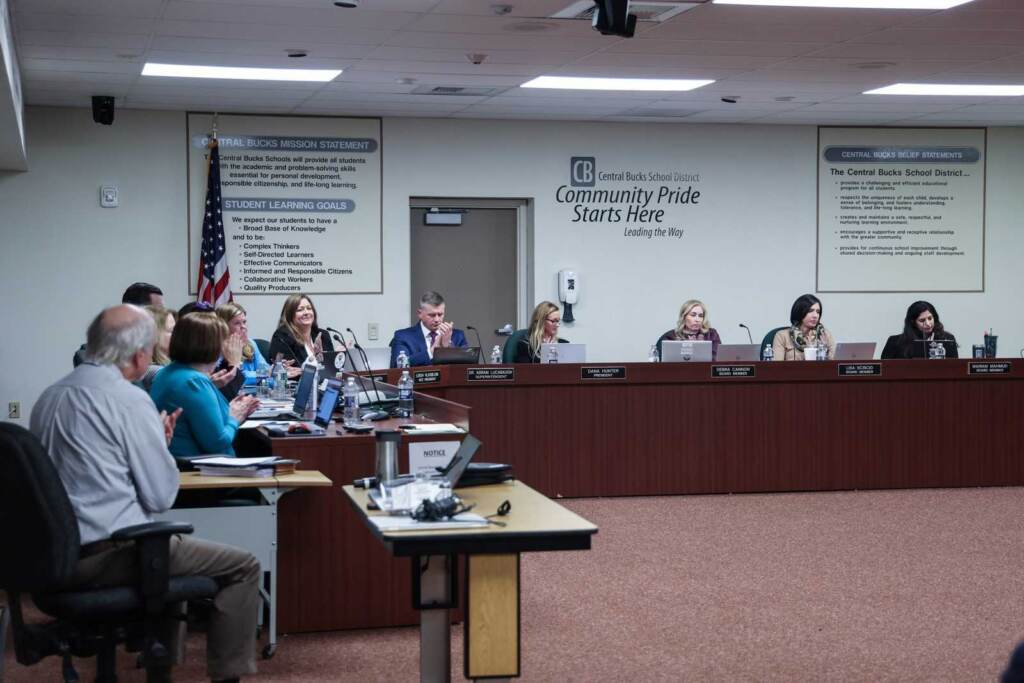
[491, 375]
[605, 372]
[859, 369]
[377, 378]
[1001, 368]
[733, 371]
[426, 376]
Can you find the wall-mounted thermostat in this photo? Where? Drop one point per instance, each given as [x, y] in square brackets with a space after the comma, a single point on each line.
[108, 196]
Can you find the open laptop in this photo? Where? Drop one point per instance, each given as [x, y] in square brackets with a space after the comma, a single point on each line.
[328, 403]
[451, 473]
[855, 350]
[456, 355]
[564, 353]
[730, 353]
[922, 346]
[683, 351]
[302, 394]
[378, 358]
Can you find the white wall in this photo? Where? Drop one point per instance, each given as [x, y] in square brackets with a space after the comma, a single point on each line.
[748, 252]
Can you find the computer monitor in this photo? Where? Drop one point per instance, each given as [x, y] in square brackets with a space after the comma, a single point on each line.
[855, 350]
[564, 353]
[685, 351]
[328, 403]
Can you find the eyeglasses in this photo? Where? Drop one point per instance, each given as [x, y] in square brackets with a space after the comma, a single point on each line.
[557, 321]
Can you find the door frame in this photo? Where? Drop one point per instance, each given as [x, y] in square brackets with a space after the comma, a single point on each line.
[524, 240]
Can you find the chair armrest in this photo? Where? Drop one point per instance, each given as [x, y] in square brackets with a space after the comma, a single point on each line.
[151, 529]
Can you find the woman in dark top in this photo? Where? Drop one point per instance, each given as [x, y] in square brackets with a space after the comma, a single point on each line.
[919, 327]
[298, 335]
[544, 324]
[693, 325]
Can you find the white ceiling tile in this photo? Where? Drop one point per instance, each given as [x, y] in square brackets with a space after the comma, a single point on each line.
[332, 50]
[112, 41]
[953, 38]
[740, 48]
[109, 8]
[283, 14]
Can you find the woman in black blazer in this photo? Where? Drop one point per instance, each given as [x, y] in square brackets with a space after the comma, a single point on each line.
[544, 324]
[297, 335]
[919, 327]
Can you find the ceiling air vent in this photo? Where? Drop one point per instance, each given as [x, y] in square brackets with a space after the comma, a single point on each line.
[644, 11]
[456, 90]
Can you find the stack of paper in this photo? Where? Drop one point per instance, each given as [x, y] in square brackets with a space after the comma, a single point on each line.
[222, 466]
[466, 520]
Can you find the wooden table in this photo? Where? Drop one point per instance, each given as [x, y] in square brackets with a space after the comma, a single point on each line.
[252, 527]
[491, 588]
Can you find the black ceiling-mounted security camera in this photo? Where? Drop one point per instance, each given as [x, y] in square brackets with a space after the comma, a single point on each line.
[612, 18]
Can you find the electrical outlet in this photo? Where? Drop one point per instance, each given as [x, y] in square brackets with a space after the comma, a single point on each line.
[373, 331]
[14, 410]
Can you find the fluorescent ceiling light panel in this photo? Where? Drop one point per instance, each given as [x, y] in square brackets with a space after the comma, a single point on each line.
[239, 73]
[949, 89]
[851, 4]
[649, 84]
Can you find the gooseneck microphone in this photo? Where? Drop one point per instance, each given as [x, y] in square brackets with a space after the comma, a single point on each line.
[366, 364]
[337, 335]
[479, 344]
[751, 338]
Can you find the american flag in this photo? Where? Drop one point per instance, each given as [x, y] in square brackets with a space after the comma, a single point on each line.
[214, 280]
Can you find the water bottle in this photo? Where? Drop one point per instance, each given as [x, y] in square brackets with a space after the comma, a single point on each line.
[280, 380]
[653, 356]
[403, 359]
[768, 353]
[822, 350]
[263, 381]
[405, 385]
[496, 355]
[937, 351]
[350, 412]
[553, 355]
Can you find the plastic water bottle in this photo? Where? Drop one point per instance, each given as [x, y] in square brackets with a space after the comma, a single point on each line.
[822, 350]
[768, 353]
[553, 355]
[653, 356]
[280, 380]
[405, 385]
[263, 380]
[403, 359]
[496, 355]
[350, 412]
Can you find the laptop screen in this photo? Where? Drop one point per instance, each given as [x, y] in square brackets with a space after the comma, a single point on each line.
[328, 403]
[304, 388]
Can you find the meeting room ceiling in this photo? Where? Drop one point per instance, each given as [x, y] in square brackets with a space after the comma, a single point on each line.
[409, 58]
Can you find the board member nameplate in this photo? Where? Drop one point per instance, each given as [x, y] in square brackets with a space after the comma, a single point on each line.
[605, 372]
[859, 369]
[426, 376]
[491, 375]
[1001, 368]
[720, 371]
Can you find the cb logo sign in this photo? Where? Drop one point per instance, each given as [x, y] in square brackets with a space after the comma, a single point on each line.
[583, 171]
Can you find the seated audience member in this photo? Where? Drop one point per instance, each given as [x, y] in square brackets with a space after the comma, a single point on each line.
[109, 445]
[298, 334]
[806, 331]
[431, 332]
[143, 294]
[138, 293]
[251, 359]
[921, 325]
[208, 422]
[693, 325]
[226, 375]
[544, 324]
[165, 320]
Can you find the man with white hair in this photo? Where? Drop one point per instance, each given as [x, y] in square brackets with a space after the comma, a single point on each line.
[109, 445]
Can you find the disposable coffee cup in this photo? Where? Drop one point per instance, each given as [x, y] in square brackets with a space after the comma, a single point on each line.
[810, 353]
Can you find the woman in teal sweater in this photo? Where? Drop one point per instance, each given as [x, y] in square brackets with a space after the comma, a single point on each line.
[208, 422]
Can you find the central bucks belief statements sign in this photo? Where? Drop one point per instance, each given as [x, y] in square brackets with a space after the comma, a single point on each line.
[302, 202]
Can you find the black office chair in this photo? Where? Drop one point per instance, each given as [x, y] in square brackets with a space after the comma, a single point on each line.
[264, 346]
[79, 356]
[39, 535]
[770, 337]
[508, 353]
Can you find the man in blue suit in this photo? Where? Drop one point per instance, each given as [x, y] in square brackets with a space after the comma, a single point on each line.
[431, 332]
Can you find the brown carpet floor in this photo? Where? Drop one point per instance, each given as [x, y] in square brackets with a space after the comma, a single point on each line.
[922, 585]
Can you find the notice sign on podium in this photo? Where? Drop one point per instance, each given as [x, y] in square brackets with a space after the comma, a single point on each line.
[301, 202]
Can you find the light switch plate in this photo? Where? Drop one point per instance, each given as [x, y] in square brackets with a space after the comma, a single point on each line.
[108, 196]
[373, 331]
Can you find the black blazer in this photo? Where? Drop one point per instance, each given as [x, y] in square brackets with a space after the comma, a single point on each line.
[894, 350]
[291, 349]
[525, 355]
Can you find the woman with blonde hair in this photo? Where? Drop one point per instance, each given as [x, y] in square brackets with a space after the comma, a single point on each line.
[297, 336]
[693, 325]
[252, 360]
[544, 324]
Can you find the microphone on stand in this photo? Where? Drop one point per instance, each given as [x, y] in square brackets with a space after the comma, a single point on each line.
[337, 335]
[366, 364]
[748, 332]
[479, 344]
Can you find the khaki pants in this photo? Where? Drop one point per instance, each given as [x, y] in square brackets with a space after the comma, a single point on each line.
[231, 638]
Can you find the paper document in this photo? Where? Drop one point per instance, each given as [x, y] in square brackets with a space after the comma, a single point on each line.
[224, 461]
[431, 428]
[466, 520]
